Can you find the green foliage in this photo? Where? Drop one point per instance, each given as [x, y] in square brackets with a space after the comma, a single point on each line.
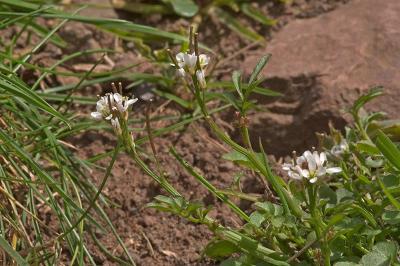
[225, 12]
[350, 219]
[185, 8]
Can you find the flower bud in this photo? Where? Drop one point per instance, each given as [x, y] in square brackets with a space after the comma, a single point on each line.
[201, 79]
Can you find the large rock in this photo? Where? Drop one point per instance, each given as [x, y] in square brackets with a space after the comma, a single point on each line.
[322, 64]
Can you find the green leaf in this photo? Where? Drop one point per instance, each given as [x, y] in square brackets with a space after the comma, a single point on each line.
[346, 263]
[239, 158]
[260, 65]
[368, 147]
[391, 217]
[270, 208]
[5, 246]
[235, 25]
[185, 8]
[220, 248]
[230, 98]
[391, 181]
[255, 14]
[366, 214]
[388, 149]
[389, 249]
[255, 89]
[360, 102]
[388, 194]
[382, 254]
[325, 192]
[375, 259]
[266, 92]
[232, 262]
[19, 89]
[257, 218]
[173, 97]
[124, 29]
[236, 82]
[141, 8]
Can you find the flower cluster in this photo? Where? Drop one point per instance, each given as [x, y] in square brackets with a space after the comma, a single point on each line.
[310, 166]
[193, 64]
[339, 149]
[112, 107]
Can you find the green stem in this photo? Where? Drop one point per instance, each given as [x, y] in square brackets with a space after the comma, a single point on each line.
[288, 205]
[131, 149]
[210, 187]
[244, 131]
[241, 195]
[318, 223]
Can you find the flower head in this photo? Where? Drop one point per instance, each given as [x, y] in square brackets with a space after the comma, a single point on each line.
[110, 105]
[310, 166]
[113, 107]
[339, 149]
[187, 62]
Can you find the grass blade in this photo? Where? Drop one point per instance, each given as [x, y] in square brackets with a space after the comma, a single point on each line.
[10, 251]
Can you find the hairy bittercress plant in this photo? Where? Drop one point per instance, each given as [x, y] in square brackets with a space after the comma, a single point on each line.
[340, 204]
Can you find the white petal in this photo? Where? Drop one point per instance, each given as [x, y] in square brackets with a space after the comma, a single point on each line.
[294, 175]
[108, 117]
[131, 101]
[117, 97]
[99, 106]
[334, 170]
[316, 159]
[298, 170]
[300, 160]
[180, 57]
[322, 158]
[287, 166]
[321, 171]
[121, 107]
[96, 115]
[312, 165]
[313, 180]
[305, 173]
[190, 61]
[204, 60]
[115, 123]
[306, 153]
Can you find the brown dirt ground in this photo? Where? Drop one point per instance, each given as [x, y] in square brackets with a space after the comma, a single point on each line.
[152, 237]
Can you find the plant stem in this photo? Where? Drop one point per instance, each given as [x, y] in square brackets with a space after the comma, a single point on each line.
[288, 204]
[244, 131]
[318, 223]
[131, 149]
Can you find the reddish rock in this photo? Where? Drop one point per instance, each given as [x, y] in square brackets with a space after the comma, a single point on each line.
[322, 64]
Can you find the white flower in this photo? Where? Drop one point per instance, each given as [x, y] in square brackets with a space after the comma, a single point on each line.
[190, 61]
[110, 105]
[339, 149]
[310, 166]
[187, 62]
[201, 78]
[180, 58]
[204, 60]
